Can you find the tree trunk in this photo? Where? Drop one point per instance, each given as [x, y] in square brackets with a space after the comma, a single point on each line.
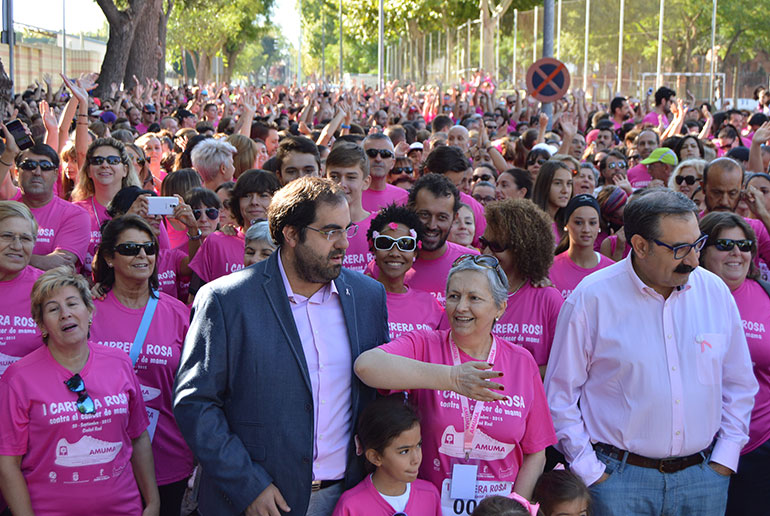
[184, 64]
[203, 71]
[144, 55]
[230, 58]
[122, 25]
[162, 32]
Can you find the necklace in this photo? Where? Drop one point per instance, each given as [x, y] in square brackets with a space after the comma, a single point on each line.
[523, 282]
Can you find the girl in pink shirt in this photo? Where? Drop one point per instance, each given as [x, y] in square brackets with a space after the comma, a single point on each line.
[394, 235]
[552, 192]
[389, 437]
[575, 255]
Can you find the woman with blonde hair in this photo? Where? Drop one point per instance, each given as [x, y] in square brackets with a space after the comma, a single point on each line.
[246, 156]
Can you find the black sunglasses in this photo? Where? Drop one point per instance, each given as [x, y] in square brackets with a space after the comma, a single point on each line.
[384, 153]
[401, 170]
[140, 161]
[386, 243]
[727, 244]
[539, 161]
[493, 246]
[690, 180]
[84, 404]
[483, 177]
[211, 213]
[98, 160]
[132, 249]
[31, 164]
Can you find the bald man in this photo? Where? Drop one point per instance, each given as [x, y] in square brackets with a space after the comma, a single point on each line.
[459, 137]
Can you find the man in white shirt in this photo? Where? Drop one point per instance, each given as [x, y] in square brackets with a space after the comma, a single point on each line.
[649, 380]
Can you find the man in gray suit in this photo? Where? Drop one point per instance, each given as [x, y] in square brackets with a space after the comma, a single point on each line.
[265, 394]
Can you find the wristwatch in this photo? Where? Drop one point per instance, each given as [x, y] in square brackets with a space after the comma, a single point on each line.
[196, 236]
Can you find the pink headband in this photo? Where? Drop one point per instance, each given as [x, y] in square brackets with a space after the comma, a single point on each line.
[532, 508]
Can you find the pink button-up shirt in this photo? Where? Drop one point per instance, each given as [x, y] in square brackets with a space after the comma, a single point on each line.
[321, 327]
[657, 377]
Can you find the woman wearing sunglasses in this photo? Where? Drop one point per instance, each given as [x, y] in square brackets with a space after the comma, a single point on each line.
[149, 326]
[394, 234]
[141, 165]
[106, 170]
[730, 253]
[465, 444]
[518, 236]
[687, 176]
[73, 436]
[535, 159]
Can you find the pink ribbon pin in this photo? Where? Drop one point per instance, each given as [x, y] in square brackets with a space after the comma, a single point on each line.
[703, 345]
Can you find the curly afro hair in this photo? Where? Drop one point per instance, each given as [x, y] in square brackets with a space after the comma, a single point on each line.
[398, 214]
[524, 229]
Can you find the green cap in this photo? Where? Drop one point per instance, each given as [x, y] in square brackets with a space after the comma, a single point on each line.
[662, 155]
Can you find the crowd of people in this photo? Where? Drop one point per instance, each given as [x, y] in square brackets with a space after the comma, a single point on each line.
[304, 299]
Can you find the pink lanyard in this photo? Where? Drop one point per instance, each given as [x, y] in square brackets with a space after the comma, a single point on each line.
[470, 423]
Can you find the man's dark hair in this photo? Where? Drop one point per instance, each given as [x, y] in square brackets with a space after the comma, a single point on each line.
[251, 181]
[441, 124]
[445, 159]
[758, 119]
[346, 154]
[41, 149]
[300, 144]
[642, 214]
[181, 113]
[261, 130]
[396, 133]
[358, 139]
[617, 103]
[662, 94]
[296, 203]
[203, 126]
[438, 185]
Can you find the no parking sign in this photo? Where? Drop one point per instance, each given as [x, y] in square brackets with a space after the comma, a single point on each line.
[547, 79]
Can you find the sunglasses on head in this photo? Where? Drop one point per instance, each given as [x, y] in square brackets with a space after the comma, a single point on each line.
[727, 244]
[386, 243]
[484, 260]
[690, 180]
[111, 160]
[211, 213]
[84, 404]
[384, 153]
[401, 170]
[31, 164]
[133, 249]
[493, 246]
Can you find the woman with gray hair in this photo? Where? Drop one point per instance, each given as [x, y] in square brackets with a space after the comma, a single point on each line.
[259, 243]
[492, 449]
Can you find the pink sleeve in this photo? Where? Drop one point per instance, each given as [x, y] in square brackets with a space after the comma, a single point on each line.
[14, 421]
[763, 242]
[200, 262]
[75, 235]
[539, 432]
[410, 345]
[137, 415]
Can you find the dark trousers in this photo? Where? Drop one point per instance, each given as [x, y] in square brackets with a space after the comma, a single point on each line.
[749, 491]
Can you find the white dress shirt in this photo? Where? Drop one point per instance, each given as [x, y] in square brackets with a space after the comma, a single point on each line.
[653, 376]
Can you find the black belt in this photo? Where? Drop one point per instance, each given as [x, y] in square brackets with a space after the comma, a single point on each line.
[317, 485]
[671, 465]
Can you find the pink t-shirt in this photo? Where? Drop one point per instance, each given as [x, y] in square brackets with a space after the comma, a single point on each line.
[754, 307]
[478, 215]
[357, 255]
[62, 226]
[566, 274]
[638, 176]
[414, 310]
[19, 334]
[507, 430]
[169, 264]
[219, 255]
[530, 320]
[374, 201]
[655, 119]
[182, 282]
[115, 326]
[365, 499]
[176, 237]
[98, 215]
[73, 462]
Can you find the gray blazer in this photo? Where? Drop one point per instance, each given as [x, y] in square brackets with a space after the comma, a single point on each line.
[242, 397]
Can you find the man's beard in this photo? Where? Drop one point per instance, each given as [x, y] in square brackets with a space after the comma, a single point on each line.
[442, 240]
[313, 268]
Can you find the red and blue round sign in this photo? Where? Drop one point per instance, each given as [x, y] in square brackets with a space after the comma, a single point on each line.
[548, 79]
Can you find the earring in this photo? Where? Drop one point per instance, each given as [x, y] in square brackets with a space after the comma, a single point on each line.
[44, 334]
[109, 265]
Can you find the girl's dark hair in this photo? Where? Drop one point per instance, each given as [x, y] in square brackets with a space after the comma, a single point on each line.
[499, 506]
[559, 486]
[522, 178]
[542, 189]
[124, 199]
[383, 420]
[180, 182]
[681, 142]
[111, 231]
[254, 180]
[399, 215]
[202, 196]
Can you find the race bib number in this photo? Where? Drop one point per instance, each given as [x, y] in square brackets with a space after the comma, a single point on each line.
[484, 489]
[153, 415]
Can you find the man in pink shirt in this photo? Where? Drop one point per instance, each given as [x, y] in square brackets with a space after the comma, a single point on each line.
[646, 142]
[379, 194]
[621, 112]
[270, 414]
[658, 117]
[649, 381]
[64, 230]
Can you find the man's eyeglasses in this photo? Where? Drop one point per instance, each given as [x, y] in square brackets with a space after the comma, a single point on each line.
[493, 246]
[383, 153]
[682, 250]
[690, 180]
[31, 164]
[133, 249]
[211, 213]
[727, 244]
[386, 243]
[401, 170]
[334, 234]
[84, 404]
[486, 261]
[111, 160]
